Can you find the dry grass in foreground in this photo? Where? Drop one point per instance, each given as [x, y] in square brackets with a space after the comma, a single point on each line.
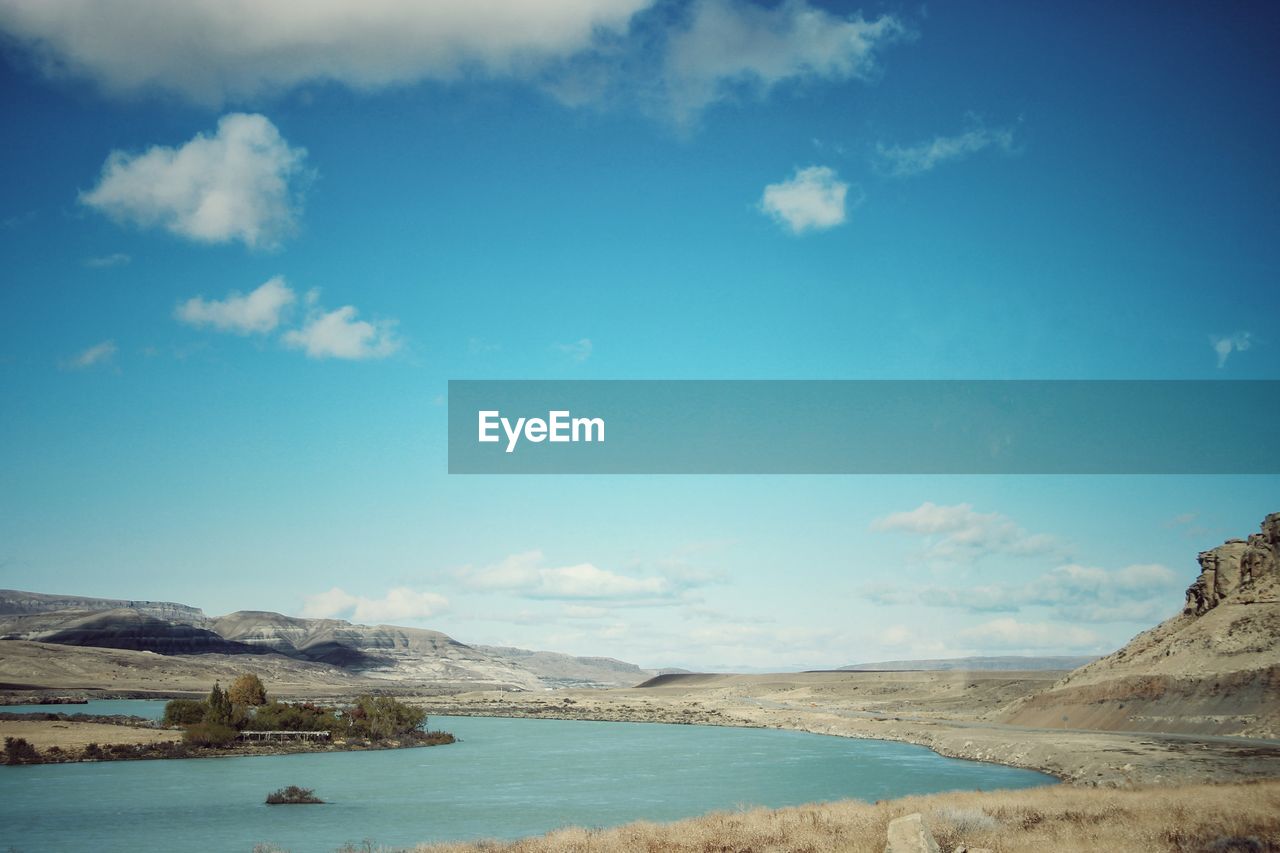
[1187, 819]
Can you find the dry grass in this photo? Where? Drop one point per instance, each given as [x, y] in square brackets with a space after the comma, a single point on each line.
[43, 734]
[1186, 819]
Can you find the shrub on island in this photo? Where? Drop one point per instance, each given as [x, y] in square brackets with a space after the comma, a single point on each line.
[293, 796]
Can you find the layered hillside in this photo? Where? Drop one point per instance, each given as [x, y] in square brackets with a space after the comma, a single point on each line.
[1212, 669]
[409, 656]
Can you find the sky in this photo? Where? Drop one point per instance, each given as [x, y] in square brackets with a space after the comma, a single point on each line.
[245, 248]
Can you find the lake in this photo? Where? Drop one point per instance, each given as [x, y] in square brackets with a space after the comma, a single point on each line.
[506, 778]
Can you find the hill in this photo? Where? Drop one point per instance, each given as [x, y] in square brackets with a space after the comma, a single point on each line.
[334, 649]
[1212, 669]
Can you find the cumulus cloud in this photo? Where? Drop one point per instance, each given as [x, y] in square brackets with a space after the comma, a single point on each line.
[400, 603]
[211, 51]
[1011, 635]
[907, 160]
[241, 183]
[1227, 344]
[579, 350]
[958, 532]
[338, 334]
[101, 353]
[525, 574]
[729, 45]
[813, 199]
[258, 311]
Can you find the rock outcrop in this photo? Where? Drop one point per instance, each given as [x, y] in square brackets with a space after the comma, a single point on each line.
[1236, 567]
[1212, 669]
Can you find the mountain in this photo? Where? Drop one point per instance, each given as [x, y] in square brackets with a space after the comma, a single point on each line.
[408, 656]
[976, 664]
[1212, 669]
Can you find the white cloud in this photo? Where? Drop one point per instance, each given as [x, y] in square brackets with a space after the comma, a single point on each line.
[578, 351]
[211, 50]
[241, 183]
[813, 199]
[1011, 635]
[731, 44]
[97, 354]
[338, 334]
[399, 603]
[1227, 344]
[116, 259]
[958, 532]
[903, 161]
[524, 574]
[258, 311]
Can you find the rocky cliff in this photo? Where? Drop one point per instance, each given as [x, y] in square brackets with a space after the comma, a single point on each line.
[1212, 669]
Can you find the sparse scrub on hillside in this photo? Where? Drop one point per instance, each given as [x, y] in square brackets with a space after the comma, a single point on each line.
[1185, 819]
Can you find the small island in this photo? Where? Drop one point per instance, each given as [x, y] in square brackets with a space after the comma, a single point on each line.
[240, 720]
[294, 796]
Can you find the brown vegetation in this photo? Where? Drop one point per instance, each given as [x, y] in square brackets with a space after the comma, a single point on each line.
[1188, 819]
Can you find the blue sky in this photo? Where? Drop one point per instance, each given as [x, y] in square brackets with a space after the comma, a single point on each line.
[243, 256]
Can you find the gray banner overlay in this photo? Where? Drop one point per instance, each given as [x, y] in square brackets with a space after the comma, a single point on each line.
[864, 427]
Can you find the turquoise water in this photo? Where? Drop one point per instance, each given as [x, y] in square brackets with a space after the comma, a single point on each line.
[152, 709]
[506, 778]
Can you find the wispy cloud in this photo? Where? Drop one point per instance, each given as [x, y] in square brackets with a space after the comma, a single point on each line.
[98, 354]
[340, 334]
[241, 183]
[1136, 593]
[258, 311]
[399, 603]
[526, 574]
[578, 351]
[1008, 634]
[732, 46]
[813, 199]
[118, 259]
[958, 532]
[907, 160]
[1224, 345]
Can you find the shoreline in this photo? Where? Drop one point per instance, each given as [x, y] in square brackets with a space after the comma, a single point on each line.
[1080, 758]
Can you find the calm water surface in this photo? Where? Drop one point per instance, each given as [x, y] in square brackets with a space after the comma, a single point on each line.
[506, 778]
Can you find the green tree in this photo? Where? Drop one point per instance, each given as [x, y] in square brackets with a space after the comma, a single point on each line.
[247, 690]
[380, 717]
[219, 711]
[184, 712]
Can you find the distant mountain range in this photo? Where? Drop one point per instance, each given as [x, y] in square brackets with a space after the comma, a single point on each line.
[1000, 663]
[386, 652]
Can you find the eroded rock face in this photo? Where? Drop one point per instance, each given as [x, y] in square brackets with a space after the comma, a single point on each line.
[1236, 564]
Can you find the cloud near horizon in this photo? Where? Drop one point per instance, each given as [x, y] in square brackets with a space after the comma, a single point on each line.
[1011, 635]
[398, 603]
[813, 199]
[524, 574]
[241, 183]
[1224, 345]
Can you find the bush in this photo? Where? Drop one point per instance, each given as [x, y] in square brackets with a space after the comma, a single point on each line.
[299, 717]
[293, 796]
[247, 690]
[210, 734]
[18, 750]
[184, 712]
[380, 717]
